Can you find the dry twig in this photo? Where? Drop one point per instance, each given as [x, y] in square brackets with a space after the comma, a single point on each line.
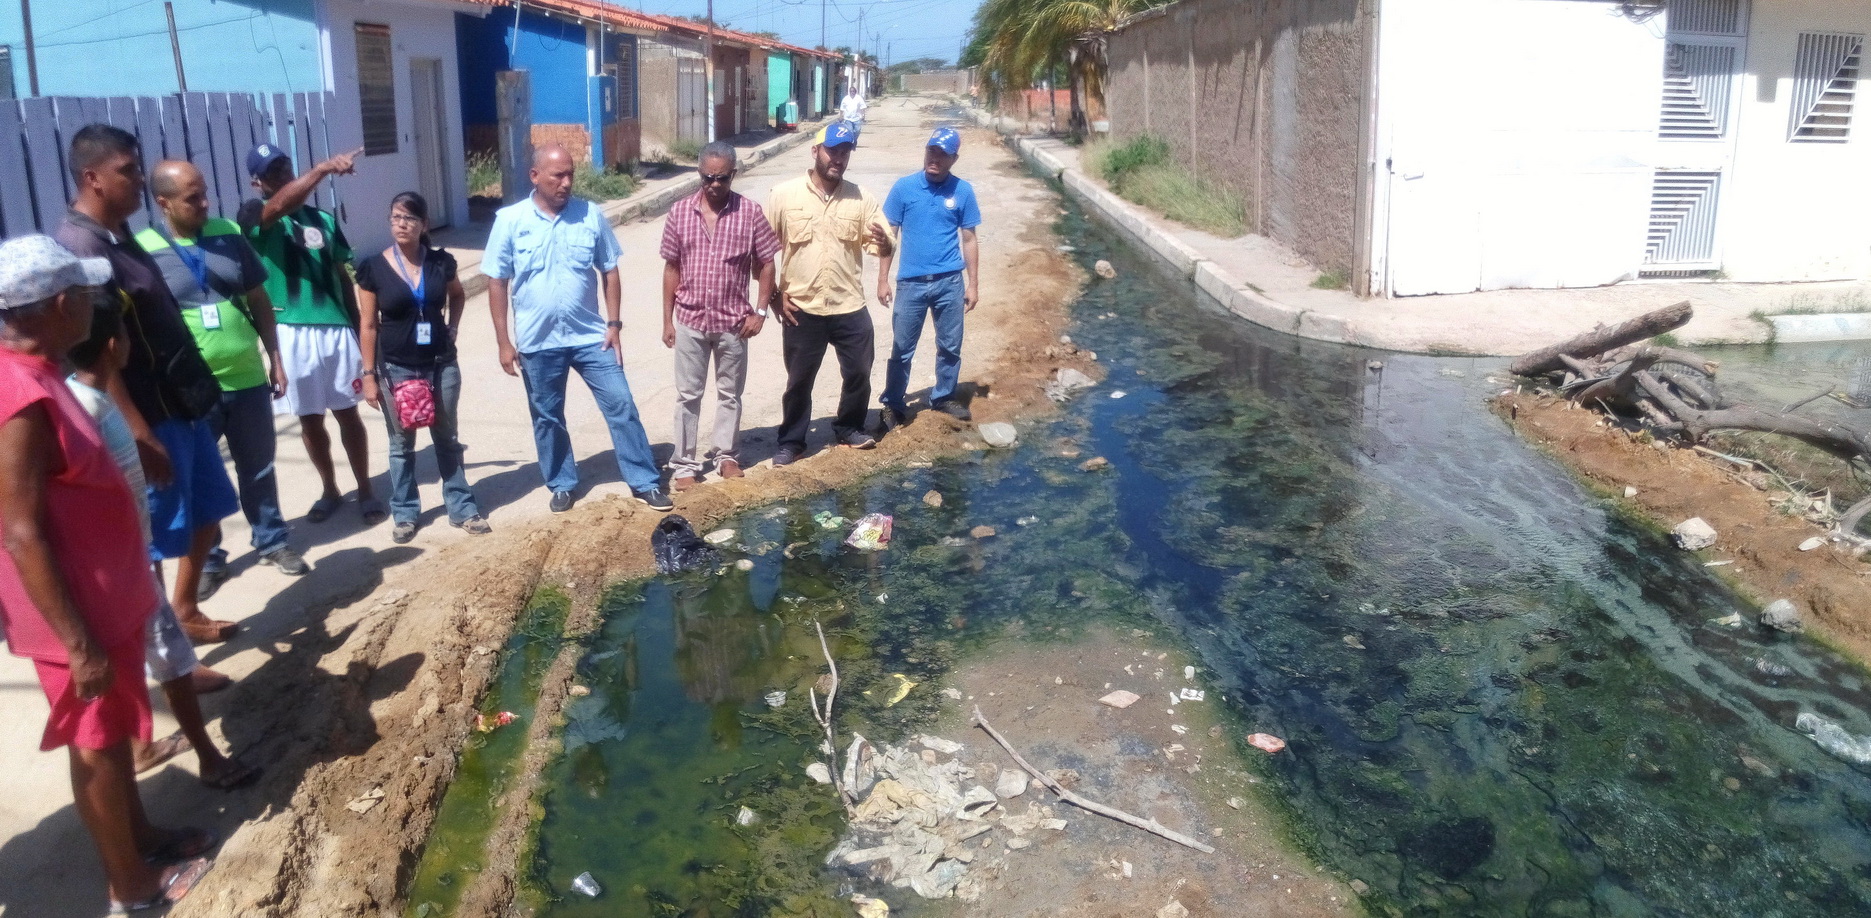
[824, 717]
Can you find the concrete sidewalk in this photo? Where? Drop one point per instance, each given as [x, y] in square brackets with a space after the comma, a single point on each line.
[1266, 283]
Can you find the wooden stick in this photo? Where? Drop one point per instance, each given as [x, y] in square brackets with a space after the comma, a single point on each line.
[825, 720]
[1148, 825]
[1602, 339]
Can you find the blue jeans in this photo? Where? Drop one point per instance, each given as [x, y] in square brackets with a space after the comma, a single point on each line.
[545, 373]
[405, 502]
[941, 298]
[245, 418]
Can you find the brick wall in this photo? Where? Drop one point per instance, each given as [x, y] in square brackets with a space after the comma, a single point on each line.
[1265, 96]
[573, 137]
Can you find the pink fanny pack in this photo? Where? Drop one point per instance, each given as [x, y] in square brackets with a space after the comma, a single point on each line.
[415, 403]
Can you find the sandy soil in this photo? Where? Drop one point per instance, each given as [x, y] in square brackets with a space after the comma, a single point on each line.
[1829, 587]
[1042, 696]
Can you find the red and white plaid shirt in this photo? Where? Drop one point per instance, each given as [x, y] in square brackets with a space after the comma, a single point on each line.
[716, 270]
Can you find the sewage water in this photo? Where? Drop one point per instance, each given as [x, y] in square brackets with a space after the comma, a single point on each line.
[1500, 696]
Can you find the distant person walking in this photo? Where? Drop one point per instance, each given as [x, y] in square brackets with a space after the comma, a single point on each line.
[545, 258]
[75, 586]
[166, 391]
[853, 107]
[938, 275]
[713, 242]
[306, 256]
[410, 301]
[825, 225]
[220, 284]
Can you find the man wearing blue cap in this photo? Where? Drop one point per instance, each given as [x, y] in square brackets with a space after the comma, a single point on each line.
[936, 213]
[825, 225]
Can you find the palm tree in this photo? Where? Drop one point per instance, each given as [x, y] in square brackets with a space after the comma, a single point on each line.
[1019, 39]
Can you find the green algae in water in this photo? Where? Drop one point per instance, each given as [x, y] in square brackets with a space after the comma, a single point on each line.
[455, 850]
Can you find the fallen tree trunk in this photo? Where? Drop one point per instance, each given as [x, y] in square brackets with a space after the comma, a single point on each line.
[1694, 424]
[1604, 338]
[1617, 389]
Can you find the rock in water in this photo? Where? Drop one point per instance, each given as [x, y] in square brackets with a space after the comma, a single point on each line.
[818, 772]
[1780, 615]
[998, 434]
[982, 532]
[1012, 783]
[677, 548]
[1094, 464]
[1066, 383]
[1104, 269]
[932, 499]
[1693, 534]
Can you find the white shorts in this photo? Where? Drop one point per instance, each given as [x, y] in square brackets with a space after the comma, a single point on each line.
[167, 652]
[324, 369]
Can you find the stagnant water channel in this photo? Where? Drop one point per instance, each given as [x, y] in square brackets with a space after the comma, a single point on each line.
[1501, 697]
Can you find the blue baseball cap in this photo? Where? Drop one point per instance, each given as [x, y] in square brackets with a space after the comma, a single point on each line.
[262, 158]
[838, 133]
[947, 139]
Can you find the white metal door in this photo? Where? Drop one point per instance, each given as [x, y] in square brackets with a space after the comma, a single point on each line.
[425, 81]
[691, 99]
[1703, 63]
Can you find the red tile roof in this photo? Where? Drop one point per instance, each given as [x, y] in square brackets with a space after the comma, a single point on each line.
[637, 19]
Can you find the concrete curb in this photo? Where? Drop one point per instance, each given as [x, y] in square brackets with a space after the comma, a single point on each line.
[655, 201]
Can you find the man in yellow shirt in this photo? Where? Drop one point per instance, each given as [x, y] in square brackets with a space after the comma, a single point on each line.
[825, 225]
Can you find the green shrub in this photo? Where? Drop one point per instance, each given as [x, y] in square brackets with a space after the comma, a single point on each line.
[484, 174]
[686, 151]
[1335, 279]
[594, 185]
[1142, 170]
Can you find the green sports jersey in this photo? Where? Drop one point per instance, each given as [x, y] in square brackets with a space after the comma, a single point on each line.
[209, 276]
[305, 253]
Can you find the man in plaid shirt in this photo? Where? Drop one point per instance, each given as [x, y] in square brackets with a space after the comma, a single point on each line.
[713, 242]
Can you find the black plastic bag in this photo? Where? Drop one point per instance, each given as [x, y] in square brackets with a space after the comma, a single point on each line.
[677, 548]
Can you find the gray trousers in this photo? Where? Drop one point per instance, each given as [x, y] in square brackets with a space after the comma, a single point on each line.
[693, 350]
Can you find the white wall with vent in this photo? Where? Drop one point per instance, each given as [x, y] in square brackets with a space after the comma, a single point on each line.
[1515, 144]
[1798, 206]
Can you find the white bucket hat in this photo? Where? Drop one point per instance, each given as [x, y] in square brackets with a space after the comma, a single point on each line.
[36, 268]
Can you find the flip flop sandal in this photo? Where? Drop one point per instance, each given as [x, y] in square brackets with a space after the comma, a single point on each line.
[175, 883]
[373, 511]
[181, 845]
[322, 509]
[162, 750]
[234, 776]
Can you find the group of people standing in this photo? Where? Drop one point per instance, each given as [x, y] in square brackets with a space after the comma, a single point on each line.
[126, 359]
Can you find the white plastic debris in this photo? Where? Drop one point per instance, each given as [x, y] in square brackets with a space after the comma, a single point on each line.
[1118, 394]
[1812, 543]
[1188, 672]
[744, 564]
[819, 773]
[585, 884]
[1192, 694]
[776, 699]
[1835, 739]
[1178, 729]
[719, 537]
[946, 747]
[1629, 492]
[746, 817]
[1119, 699]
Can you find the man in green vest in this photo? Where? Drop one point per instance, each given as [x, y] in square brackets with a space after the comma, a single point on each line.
[308, 280]
[218, 281]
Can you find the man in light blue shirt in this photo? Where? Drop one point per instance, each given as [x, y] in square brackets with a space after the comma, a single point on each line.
[544, 260]
[937, 215]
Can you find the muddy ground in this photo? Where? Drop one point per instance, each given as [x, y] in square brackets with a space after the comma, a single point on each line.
[1830, 588]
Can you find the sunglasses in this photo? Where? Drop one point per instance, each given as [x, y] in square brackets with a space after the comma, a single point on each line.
[723, 178]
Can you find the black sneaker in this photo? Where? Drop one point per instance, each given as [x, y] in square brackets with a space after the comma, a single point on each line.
[786, 455]
[289, 562]
[858, 439]
[954, 409]
[561, 501]
[656, 498]
[474, 525]
[403, 533]
[210, 583]
[889, 419]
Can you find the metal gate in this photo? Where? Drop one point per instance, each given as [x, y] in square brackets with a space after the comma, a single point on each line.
[691, 100]
[1703, 60]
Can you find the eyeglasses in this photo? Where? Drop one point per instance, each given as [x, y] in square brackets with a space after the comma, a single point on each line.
[723, 178]
[405, 219]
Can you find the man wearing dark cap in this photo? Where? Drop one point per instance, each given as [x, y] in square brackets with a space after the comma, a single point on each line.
[825, 225]
[306, 256]
[936, 213]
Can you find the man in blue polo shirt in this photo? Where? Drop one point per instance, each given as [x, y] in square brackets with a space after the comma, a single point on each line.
[936, 213]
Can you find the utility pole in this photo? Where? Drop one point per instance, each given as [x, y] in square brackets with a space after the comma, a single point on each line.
[708, 69]
[175, 49]
[822, 45]
[32, 57]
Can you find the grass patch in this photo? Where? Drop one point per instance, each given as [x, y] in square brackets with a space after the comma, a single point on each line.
[1810, 304]
[594, 185]
[1666, 340]
[1142, 171]
[1335, 279]
[484, 174]
[686, 151]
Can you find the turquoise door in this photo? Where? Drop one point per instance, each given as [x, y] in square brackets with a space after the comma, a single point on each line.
[779, 82]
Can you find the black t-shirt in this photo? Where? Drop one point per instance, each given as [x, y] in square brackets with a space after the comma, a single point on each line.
[165, 363]
[398, 314]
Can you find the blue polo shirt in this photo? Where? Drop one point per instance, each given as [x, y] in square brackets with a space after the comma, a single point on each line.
[931, 216]
[552, 266]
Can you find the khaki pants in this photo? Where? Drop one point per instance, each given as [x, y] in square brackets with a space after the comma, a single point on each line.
[693, 350]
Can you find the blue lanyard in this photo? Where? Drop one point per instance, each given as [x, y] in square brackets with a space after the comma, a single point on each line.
[422, 279]
[192, 257]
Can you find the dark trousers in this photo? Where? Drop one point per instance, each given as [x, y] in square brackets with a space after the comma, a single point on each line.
[804, 345]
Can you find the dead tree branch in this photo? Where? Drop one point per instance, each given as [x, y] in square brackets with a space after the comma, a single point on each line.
[824, 717]
[1604, 338]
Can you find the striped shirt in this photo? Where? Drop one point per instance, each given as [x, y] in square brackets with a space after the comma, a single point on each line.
[715, 269]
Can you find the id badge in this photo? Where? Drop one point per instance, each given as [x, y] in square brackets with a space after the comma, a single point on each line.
[211, 316]
[425, 333]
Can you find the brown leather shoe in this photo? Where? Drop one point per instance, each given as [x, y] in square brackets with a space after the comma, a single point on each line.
[208, 631]
[728, 468]
[684, 483]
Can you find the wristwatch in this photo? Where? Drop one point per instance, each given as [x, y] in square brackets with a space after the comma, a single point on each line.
[613, 324]
[761, 313]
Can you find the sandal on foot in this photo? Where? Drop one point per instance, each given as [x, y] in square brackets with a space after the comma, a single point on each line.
[209, 631]
[322, 509]
[373, 511]
[174, 883]
[234, 775]
[161, 751]
[181, 845]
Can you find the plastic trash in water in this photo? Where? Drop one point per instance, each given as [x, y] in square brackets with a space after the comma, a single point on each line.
[1268, 743]
[827, 520]
[484, 723]
[872, 533]
[677, 548]
[584, 883]
[896, 692]
[1835, 739]
[719, 537]
[776, 699]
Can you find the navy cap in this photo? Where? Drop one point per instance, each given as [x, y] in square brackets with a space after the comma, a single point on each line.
[947, 139]
[838, 133]
[262, 158]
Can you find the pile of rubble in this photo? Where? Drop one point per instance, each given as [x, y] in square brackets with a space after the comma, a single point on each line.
[925, 820]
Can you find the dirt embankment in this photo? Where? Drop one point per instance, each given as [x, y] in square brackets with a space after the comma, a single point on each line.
[383, 699]
[1828, 585]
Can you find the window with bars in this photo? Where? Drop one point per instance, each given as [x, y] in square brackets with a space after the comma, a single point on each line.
[1825, 85]
[1697, 82]
[1707, 17]
[376, 87]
